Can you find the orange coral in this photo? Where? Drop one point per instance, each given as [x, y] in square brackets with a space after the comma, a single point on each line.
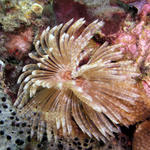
[66, 94]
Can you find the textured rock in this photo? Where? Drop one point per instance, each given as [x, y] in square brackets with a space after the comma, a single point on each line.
[13, 129]
[141, 139]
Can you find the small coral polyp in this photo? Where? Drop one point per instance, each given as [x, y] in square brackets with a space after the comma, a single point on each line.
[63, 95]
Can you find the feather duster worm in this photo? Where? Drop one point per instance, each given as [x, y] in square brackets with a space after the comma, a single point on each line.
[66, 95]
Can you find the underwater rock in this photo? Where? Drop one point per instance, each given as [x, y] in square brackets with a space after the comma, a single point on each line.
[93, 2]
[68, 9]
[18, 45]
[15, 14]
[13, 129]
[141, 139]
[113, 15]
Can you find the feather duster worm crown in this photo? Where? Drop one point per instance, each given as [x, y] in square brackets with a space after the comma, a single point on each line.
[67, 95]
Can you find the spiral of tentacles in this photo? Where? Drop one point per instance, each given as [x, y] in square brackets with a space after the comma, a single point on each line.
[66, 95]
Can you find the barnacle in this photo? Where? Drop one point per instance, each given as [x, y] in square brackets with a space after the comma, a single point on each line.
[67, 94]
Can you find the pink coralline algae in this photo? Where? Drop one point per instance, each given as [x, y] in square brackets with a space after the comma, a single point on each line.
[145, 10]
[128, 42]
[19, 45]
[135, 40]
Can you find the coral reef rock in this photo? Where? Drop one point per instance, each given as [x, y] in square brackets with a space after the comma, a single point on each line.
[13, 129]
[141, 139]
[15, 13]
